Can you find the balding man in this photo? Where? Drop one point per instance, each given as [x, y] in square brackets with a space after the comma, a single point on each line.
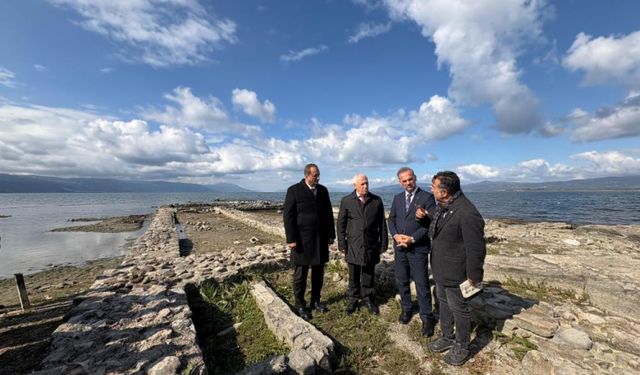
[362, 236]
[309, 228]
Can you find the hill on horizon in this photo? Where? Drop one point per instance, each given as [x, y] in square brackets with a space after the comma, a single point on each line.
[43, 184]
[601, 183]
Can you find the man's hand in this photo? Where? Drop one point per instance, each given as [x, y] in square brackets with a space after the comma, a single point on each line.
[292, 245]
[402, 240]
[421, 213]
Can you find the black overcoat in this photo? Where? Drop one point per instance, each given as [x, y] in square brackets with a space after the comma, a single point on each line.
[308, 221]
[458, 246]
[362, 229]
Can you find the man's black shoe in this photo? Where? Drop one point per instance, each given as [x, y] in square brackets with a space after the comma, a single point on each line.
[405, 317]
[441, 344]
[428, 327]
[304, 313]
[352, 307]
[319, 306]
[457, 356]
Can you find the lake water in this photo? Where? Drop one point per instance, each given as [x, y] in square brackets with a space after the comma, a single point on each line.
[27, 246]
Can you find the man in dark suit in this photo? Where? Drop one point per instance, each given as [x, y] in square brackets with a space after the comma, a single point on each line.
[309, 228]
[411, 245]
[458, 250]
[362, 237]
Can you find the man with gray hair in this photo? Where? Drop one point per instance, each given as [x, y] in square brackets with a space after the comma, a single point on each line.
[362, 237]
[411, 244]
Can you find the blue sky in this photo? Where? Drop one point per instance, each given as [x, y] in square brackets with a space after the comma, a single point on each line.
[250, 91]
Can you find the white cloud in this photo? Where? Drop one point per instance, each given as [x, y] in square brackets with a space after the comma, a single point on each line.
[64, 142]
[106, 70]
[477, 172]
[40, 68]
[606, 60]
[437, 119]
[609, 163]
[369, 30]
[293, 56]
[591, 164]
[480, 41]
[248, 101]
[157, 32]
[191, 111]
[58, 141]
[375, 140]
[7, 78]
[134, 142]
[620, 121]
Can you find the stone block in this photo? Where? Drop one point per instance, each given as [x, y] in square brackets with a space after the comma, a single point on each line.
[302, 363]
[166, 366]
[574, 338]
[536, 321]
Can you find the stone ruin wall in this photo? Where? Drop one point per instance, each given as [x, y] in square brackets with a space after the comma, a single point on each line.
[136, 318]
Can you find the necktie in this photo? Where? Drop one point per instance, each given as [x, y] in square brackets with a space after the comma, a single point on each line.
[313, 190]
[362, 198]
[408, 203]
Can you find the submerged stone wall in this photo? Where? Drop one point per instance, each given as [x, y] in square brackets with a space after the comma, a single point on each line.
[135, 318]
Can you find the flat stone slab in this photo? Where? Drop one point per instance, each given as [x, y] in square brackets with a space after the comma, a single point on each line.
[310, 348]
[536, 320]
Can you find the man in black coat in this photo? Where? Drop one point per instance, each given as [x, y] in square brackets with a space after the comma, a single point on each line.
[458, 250]
[411, 244]
[362, 237]
[309, 228]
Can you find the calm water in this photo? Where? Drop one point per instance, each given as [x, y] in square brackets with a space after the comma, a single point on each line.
[27, 245]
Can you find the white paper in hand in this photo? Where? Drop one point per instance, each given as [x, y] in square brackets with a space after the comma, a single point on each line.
[469, 290]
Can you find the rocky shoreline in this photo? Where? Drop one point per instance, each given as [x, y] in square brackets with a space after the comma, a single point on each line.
[573, 297]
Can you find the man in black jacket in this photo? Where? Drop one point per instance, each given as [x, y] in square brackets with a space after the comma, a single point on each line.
[362, 237]
[457, 255]
[309, 228]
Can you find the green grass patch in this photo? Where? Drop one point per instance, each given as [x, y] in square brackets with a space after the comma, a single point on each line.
[362, 345]
[218, 306]
[519, 345]
[543, 291]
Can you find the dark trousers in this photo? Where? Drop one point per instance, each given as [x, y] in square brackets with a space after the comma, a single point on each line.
[361, 280]
[300, 283]
[411, 264]
[454, 310]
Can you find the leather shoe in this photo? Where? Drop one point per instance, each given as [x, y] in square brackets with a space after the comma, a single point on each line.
[428, 328]
[405, 317]
[304, 313]
[352, 307]
[373, 309]
[319, 306]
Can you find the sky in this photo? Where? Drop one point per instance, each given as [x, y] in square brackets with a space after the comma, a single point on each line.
[250, 91]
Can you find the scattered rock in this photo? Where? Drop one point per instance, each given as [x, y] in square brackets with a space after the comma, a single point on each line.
[166, 366]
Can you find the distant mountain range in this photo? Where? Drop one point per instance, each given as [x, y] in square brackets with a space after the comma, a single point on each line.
[43, 184]
[591, 184]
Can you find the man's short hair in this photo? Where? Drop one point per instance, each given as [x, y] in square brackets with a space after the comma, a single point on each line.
[404, 169]
[307, 168]
[449, 181]
[358, 176]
